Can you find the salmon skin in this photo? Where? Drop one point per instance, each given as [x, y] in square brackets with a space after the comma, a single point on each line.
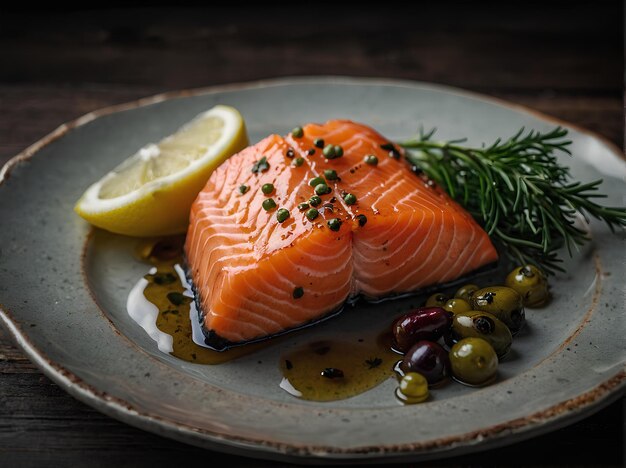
[255, 276]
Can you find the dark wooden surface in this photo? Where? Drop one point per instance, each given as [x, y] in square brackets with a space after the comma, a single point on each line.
[563, 58]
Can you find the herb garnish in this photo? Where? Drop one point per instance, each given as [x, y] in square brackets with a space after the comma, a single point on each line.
[177, 298]
[162, 278]
[517, 190]
[372, 363]
[261, 165]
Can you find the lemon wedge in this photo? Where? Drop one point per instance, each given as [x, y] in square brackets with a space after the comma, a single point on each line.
[151, 192]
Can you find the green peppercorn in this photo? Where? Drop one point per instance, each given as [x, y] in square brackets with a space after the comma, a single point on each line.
[298, 292]
[297, 132]
[282, 215]
[322, 189]
[297, 162]
[319, 142]
[315, 201]
[349, 198]
[316, 181]
[303, 206]
[243, 189]
[267, 188]
[269, 204]
[362, 219]
[371, 160]
[329, 151]
[330, 174]
[334, 224]
[260, 166]
[312, 214]
[338, 150]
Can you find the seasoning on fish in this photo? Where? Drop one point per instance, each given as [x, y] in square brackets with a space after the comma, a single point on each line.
[315, 200]
[269, 204]
[402, 235]
[349, 198]
[330, 174]
[311, 214]
[316, 181]
[371, 160]
[282, 215]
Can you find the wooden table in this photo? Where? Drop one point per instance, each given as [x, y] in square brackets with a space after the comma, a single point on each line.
[564, 59]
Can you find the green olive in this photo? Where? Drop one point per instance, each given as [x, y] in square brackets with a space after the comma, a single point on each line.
[457, 305]
[413, 388]
[473, 361]
[465, 292]
[530, 282]
[479, 324]
[436, 300]
[505, 303]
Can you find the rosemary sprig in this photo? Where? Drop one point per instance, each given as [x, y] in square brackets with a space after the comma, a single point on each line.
[517, 191]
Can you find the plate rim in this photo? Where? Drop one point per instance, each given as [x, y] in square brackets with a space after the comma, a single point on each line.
[558, 415]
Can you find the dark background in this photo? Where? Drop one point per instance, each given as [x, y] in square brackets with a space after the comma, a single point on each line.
[563, 58]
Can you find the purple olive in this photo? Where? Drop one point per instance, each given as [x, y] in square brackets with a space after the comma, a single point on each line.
[424, 323]
[429, 359]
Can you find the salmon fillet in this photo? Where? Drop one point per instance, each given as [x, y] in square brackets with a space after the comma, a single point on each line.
[255, 276]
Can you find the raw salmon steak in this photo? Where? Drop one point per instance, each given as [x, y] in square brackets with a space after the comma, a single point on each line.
[256, 274]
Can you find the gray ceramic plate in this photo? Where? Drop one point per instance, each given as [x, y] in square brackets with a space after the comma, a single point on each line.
[63, 293]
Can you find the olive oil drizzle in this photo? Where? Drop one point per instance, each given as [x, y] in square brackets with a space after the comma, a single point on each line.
[325, 370]
[168, 290]
[334, 370]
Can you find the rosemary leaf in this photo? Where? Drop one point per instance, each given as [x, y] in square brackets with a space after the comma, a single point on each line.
[517, 190]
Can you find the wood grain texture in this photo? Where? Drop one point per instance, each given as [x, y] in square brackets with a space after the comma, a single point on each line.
[529, 46]
[561, 58]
